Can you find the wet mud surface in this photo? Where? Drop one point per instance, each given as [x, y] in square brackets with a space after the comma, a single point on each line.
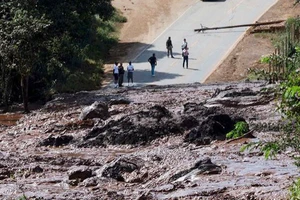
[146, 143]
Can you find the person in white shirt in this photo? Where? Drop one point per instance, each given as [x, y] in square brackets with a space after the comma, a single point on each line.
[116, 74]
[185, 54]
[184, 44]
[130, 70]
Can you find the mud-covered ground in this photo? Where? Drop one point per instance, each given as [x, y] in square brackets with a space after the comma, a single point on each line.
[146, 143]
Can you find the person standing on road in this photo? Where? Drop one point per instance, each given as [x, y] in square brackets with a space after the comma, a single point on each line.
[153, 62]
[185, 54]
[121, 74]
[169, 47]
[130, 70]
[184, 44]
[116, 74]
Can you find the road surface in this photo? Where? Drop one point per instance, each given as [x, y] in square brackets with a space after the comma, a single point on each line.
[206, 49]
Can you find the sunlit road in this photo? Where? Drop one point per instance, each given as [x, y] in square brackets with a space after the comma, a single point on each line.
[207, 49]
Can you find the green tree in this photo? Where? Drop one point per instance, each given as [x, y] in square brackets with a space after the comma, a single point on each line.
[53, 45]
[74, 42]
[26, 30]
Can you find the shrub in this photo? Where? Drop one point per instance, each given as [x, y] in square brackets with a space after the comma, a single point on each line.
[240, 128]
[295, 190]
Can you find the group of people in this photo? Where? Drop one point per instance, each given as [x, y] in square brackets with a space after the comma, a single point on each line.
[185, 54]
[119, 71]
[184, 48]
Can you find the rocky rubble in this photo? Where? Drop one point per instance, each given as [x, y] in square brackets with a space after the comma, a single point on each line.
[154, 142]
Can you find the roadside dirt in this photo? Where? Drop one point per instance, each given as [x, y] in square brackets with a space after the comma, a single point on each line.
[249, 50]
[147, 19]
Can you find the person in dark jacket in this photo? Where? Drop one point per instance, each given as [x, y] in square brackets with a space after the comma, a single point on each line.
[153, 62]
[121, 74]
[169, 47]
[116, 74]
[130, 70]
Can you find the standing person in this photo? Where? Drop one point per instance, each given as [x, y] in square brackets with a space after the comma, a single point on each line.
[169, 47]
[153, 62]
[116, 74]
[184, 44]
[121, 74]
[130, 70]
[185, 54]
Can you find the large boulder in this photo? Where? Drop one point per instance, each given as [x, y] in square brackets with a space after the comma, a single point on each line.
[59, 140]
[195, 113]
[119, 167]
[96, 110]
[214, 127]
[138, 128]
[80, 173]
[203, 166]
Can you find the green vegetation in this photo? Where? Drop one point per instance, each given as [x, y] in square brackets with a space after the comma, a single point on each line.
[295, 190]
[289, 96]
[270, 149]
[53, 46]
[23, 197]
[240, 128]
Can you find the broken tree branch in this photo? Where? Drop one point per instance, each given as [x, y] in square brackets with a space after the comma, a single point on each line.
[236, 26]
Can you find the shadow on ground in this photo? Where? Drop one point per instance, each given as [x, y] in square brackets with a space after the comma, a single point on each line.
[140, 51]
[143, 77]
[121, 52]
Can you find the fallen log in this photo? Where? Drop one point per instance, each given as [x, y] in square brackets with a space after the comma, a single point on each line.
[237, 26]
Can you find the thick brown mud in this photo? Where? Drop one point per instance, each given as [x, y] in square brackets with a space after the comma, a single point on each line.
[9, 119]
[139, 148]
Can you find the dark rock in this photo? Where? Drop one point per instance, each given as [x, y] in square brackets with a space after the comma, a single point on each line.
[37, 169]
[137, 128]
[119, 101]
[214, 127]
[114, 195]
[180, 174]
[80, 173]
[57, 141]
[4, 174]
[156, 158]
[116, 169]
[243, 93]
[189, 122]
[205, 166]
[96, 110]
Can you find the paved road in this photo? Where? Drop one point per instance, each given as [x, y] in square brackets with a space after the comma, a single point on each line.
[207, 49]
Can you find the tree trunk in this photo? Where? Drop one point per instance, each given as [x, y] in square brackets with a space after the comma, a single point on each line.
[4, 85]
[24, 86]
